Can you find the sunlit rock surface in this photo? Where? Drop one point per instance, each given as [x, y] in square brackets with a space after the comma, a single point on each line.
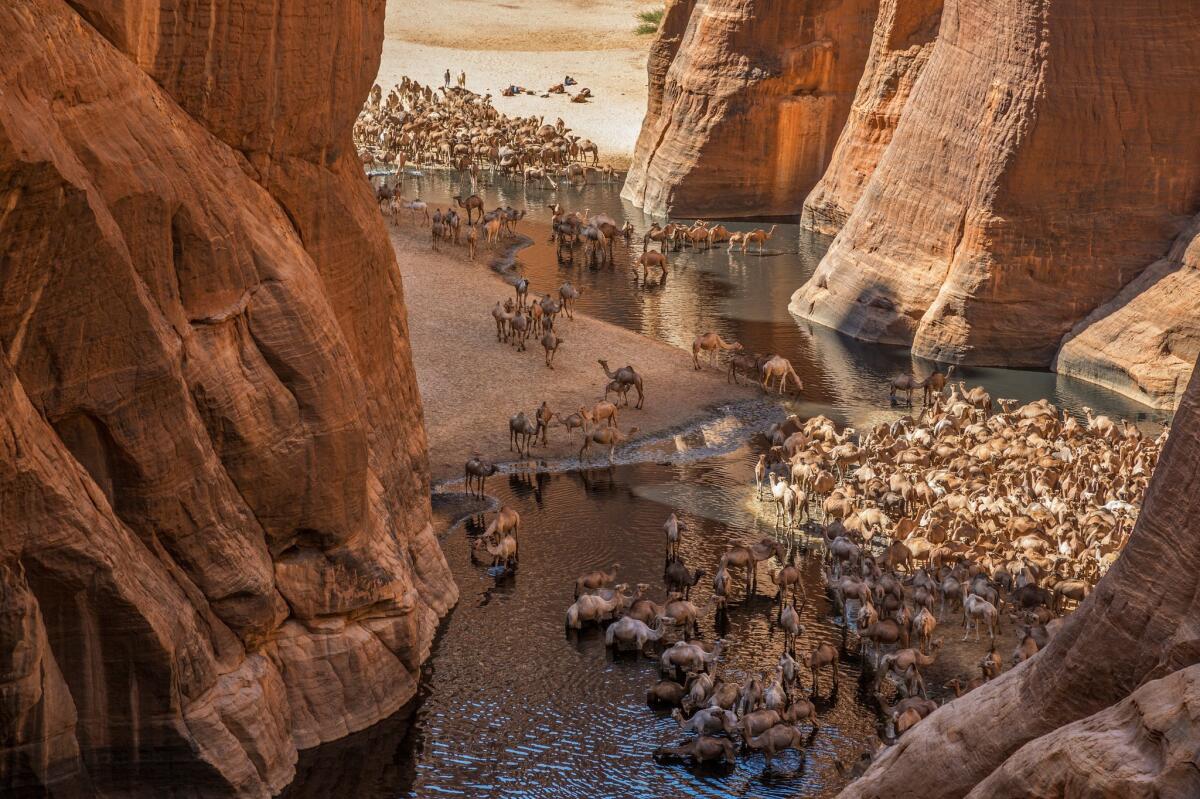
[746, 101]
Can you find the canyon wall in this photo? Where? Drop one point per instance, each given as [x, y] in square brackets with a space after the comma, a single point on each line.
[1108, 707]
[746, 101]
[216, 545]
[1043, 160]
[903, 38]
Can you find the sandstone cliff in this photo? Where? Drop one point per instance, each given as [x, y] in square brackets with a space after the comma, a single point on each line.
[1044, 159]
[1127, 658]
[746, 102]
[1144, 341]
[905, 31]
[217, 544]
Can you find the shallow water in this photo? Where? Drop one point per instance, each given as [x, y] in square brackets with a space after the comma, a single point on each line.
[514, 706]
[744, 297]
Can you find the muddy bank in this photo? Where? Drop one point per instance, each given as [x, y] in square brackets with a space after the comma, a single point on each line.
[471, 384]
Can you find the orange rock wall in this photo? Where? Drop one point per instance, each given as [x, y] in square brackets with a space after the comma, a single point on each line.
[217, 545]
[745, 110]
[1044, 159]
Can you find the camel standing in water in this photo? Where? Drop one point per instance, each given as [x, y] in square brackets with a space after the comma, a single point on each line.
[759, 237]
[477, 471]
[779, 367]
[711, 343]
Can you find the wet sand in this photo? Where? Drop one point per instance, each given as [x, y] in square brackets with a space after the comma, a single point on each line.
[471, 384]
[532, 43]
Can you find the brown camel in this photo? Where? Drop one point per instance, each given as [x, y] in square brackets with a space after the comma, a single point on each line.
[759, 237]
[551, 343]
[544, 416]
[703, 749]
[609, 437]
[906, 383]
[651, 259]
[823, 655]
[477, 471]
[935, 384]
[626, 375]
[777, 739]
[711, 343]
[472, 203]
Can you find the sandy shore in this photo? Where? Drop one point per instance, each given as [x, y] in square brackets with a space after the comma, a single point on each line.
[471, 384]
[531, 43]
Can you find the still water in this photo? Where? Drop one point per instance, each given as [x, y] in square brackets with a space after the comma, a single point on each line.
[512, 704]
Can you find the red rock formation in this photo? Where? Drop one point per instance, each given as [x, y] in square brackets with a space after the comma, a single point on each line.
[1135, 628]
[1144, 341]
[1042, 162]
[217, 543]
[745, 110]
[905, 31]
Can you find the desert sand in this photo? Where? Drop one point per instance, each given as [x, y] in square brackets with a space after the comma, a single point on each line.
[471, 384]
[531, 43]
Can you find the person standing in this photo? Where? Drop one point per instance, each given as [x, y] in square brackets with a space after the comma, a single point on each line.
[446, 78]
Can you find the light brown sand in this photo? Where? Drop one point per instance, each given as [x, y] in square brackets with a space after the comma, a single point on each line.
[471, 384]
[531, 43]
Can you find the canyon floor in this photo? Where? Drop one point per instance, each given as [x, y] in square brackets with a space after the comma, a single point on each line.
[471, 384]
[532, 43]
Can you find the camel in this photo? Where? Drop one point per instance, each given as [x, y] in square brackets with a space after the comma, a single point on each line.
[519, 329]
[779, 738]
[520, 431]
[595, 579]
[590, 608]
[935, 384]
[618, 388]
[701, 750]
[650, 259]
[759, 237]
[906, 383]
[789, 620]
[472, 239]
[707, 721]
[689, 657]
[748, 558]
[551, 343]
[665, 693]
[627, 630]
[674, 529]
[821, 656]
[507, 521]
[679, 578]
[503, 553]
[778, 366]
[472, 203]
[503, 317]
[627, 376]
[478, 470]
[712, 343]
[567, 296]
[610, 437]
[543, 416]
[791, 577]
[976, 609]
[418, 206]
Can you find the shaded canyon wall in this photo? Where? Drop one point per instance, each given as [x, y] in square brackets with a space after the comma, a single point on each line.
[216, 546]
[746, 101]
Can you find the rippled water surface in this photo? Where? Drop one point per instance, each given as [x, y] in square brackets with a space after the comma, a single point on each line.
[513, 705]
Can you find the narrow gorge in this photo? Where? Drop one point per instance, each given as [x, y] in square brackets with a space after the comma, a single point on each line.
[217, 544]
[1014, 184]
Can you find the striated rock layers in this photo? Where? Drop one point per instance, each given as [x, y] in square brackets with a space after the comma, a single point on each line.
[1109, 707]
[216, 543]
[905, 31]
[1043, 160]
[746, 102]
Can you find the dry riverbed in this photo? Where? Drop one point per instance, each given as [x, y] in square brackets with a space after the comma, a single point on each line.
[471, 384]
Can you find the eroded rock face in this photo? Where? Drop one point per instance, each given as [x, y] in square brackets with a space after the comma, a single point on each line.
[1144, 341]
[905, 31]
[217, 543]
[1127, 658]
[746, 103]
[1032, 175]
